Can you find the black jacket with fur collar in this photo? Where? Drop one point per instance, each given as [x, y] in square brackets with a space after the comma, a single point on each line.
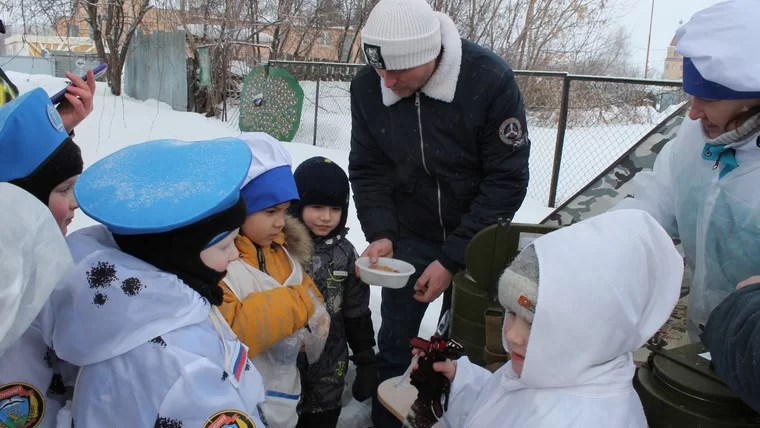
[446, 162]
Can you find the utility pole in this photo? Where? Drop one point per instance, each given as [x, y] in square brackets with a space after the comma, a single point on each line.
[649, 41]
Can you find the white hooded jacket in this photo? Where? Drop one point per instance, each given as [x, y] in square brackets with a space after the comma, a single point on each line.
[33, 256]
[715, 217]
[606, 285]
[692, 191]
[152, 351]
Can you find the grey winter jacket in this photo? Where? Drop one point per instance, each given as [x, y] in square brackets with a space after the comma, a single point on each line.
[347, 300]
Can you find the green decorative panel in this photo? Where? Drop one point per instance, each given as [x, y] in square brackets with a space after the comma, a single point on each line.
[271, 101]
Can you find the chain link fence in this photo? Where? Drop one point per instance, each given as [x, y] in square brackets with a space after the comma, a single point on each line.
[578, 125]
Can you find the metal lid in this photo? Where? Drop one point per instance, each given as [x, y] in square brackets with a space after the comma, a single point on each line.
[684, 373]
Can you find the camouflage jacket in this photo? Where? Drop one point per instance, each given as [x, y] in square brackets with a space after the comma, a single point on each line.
[347, 300]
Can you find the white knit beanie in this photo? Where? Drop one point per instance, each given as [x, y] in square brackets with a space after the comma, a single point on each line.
[401, 34]
[518, 285]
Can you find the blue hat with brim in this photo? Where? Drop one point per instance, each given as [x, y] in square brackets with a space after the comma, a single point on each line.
[30, 131]
[271, 188]
[696, 85]
[270, 179]
[163, 185]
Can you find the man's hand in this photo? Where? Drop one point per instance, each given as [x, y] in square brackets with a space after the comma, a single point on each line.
[749, 281]
[380, 248]
[78, 103]
[433, 282]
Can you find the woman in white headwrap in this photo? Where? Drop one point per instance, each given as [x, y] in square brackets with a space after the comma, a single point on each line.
[704, 186]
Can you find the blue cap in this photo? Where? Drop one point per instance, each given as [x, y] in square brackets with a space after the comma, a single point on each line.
[162, 185]
[271, 188]
[30, 131]
[696, 85]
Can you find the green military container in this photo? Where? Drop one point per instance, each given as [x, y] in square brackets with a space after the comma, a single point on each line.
[475, 291]
[468, 303]
[678, 388]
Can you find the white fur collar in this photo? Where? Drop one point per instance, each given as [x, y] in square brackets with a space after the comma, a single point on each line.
[442, 85]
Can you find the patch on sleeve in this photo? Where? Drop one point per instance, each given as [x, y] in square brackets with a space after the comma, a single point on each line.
[240, 361]
[230, 419]
[374, 56]
[22, 405]
[511, 132]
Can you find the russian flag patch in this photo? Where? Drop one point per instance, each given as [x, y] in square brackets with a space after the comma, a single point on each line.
[240, 361]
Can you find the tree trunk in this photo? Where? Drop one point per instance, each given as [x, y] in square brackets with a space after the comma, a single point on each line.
[114, 75]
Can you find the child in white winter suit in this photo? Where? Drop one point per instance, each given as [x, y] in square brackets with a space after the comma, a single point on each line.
[138, 313]
[579, 301]
[33, 256]
[38, 155]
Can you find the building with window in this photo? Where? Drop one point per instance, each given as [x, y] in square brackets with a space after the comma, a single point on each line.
[673, 62]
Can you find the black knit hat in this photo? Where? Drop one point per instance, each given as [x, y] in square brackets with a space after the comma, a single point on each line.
[65, 162]
[321, 181]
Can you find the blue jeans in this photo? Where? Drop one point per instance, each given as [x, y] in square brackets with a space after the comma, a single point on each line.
[401, 318]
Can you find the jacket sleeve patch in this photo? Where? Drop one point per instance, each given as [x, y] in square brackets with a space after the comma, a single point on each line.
[511, 132]
[230, 418]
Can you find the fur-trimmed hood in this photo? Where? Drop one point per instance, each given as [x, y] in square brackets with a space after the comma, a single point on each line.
[442, 85]
[295, 237]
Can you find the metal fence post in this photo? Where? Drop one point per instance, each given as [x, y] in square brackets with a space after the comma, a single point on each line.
[559, 146]
[316, 111]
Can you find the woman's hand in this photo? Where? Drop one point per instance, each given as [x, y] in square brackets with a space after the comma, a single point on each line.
[749, 281]
[448, 368]
[78, 102]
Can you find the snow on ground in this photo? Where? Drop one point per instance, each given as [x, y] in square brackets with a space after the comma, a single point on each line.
[117, 122]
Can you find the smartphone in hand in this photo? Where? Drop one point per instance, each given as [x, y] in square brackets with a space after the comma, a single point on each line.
[97, 71]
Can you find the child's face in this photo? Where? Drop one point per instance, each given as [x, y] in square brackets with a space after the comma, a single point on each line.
[516, 333]
[263, 226]
[62, 203]
[321, 220]
[219, 255]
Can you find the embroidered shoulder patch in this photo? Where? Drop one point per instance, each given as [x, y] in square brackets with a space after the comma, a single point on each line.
[230, 419]
[511, 132]
[21, 405]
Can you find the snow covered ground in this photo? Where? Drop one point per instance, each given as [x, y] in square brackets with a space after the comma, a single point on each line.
[118, 122]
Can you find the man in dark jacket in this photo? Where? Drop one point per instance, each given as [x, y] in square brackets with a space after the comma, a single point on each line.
[439, 150]
[732, 335]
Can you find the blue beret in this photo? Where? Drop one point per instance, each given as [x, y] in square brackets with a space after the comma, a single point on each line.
[30, 131]
[162, 185]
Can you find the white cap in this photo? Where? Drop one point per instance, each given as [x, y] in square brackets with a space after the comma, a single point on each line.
[401, 34]
[718, 41]
[268, 153]
[270, 179]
